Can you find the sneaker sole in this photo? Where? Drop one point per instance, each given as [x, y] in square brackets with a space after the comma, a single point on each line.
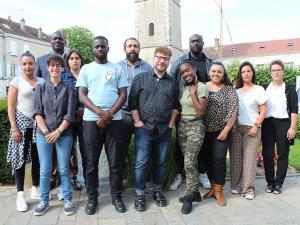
[140, 208]
[41, 213]
[69, 213]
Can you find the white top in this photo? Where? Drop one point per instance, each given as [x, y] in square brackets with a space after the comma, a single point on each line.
[25, 98]
[248, 104]
[277, 103]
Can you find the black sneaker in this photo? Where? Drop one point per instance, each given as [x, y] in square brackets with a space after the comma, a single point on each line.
[159, 198]
[119, 205]
[91, 206]
[277, 190]
[269, 188]
[140, 202]
[41, 208]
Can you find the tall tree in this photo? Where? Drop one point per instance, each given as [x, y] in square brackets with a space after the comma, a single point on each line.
[81, 39]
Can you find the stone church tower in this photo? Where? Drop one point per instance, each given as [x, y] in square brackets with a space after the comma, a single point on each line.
[157, 23]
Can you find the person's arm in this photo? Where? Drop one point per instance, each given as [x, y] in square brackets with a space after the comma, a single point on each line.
[262, 114]
[291, 133]
[11, 111]
[116, 107]
[232, 104]
[133, 102]
[39, 110]
[136, 118]
[173, 118]
[37, 69]
[199, 104]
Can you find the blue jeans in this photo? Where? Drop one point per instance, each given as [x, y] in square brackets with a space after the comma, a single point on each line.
[63, 150]
[149, 145]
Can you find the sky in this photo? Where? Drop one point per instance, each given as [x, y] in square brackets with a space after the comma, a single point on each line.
[248, 21]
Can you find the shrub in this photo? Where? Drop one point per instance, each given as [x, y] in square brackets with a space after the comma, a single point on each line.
[5, 171]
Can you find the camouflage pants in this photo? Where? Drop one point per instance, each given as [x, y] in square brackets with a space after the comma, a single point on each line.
[190, 138]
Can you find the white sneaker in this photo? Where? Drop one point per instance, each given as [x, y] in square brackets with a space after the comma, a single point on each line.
[21, 203]
[176, 182]
[203, 180]
[250, 196]
[60, 195]
[35, 193]
[234, 191]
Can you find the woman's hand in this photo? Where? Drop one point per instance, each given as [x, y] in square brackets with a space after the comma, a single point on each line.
[291, 133]
[223, 135]
[52, 137]
[16, 135]
[193, 89]
[138, 124]
[253, 131]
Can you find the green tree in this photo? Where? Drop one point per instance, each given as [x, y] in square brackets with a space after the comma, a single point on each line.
[81, 39]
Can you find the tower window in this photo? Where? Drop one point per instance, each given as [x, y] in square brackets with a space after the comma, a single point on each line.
[151, 29]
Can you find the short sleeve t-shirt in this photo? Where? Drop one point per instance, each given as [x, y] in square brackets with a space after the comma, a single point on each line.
[248, 104]
[25, 97]
[188, 109]
[102, 82]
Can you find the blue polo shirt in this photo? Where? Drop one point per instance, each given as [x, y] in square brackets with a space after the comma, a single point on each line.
[103, 82]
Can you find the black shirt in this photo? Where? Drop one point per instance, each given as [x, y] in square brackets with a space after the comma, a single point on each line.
[201, 68]
[155, 99]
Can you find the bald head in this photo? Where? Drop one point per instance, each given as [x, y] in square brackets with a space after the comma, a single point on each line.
[196, 44]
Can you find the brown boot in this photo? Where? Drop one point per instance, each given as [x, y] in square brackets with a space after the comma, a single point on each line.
[210, 193]
[218, 191]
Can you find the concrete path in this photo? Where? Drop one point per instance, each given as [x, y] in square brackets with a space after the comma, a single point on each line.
[265, 209]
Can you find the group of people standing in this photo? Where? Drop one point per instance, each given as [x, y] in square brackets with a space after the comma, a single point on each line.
[102, 103]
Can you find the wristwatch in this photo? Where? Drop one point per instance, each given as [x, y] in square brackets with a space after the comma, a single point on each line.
[46, 133]
[257, 125]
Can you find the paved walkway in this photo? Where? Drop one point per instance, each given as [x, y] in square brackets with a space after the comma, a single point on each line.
[264, 209]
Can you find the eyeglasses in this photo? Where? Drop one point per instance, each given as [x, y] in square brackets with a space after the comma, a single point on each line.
[278, 70]
[158, 57]
[55, 65]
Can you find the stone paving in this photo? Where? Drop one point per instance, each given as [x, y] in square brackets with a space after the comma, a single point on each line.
[265, 209]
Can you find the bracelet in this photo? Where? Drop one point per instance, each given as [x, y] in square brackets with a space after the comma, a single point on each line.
[58, 131]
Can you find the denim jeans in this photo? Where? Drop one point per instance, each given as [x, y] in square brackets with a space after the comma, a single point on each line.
[63, 150]
[149, 145]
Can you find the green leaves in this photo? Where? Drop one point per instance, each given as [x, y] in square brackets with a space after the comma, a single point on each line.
[81, 39]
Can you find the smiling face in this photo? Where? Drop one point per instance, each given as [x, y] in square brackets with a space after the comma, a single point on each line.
[161, 62]
[216, 74]
[58, 42]
[188, 73]
[55, 69]
[27, 64]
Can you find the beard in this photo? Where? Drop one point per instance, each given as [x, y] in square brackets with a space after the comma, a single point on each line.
[196, 50]
[132, 57]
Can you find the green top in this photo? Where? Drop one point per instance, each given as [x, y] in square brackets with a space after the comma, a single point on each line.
[188, 109]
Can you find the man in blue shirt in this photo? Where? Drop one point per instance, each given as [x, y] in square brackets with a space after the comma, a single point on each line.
[102, 90]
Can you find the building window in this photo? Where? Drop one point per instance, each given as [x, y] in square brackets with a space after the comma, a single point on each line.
[13, 48]
[151, 29]
[11, 70]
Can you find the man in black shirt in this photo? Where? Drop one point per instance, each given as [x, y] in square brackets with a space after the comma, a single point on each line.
[153, 102]
[202, 63]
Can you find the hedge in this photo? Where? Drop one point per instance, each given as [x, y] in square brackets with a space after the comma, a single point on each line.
[5, 171]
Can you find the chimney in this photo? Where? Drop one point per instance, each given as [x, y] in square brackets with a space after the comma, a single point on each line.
[217, 43]
[9, 18]
[22, 24]
[40, 33]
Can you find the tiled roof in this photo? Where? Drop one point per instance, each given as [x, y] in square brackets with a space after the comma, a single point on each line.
[9, 26]
[260, 48]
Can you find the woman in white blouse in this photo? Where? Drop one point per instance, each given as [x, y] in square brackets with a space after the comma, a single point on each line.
[20, 108]
[279, 127]
[247, 136]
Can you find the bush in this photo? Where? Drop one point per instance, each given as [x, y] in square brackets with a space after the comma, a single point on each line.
[5, 171]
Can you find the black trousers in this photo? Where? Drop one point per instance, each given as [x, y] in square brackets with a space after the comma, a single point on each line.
[275, 131]
[127, 129]
[179, 159]
[35, 165]
[215, 152]
[94, 138]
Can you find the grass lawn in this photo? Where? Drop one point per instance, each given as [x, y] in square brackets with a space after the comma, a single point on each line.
[294, 157]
